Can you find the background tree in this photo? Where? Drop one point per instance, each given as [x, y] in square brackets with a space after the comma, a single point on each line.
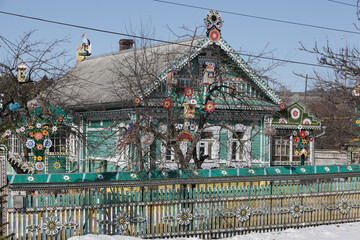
[19, 98]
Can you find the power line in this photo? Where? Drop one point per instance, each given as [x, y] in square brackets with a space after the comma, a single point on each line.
[148, 38]
[262, 18]
[343, 3]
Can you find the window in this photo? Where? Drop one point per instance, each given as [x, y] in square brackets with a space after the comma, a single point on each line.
[206, 144]
[14, 144]
[59, 142]
[237, 147]
[282, 149]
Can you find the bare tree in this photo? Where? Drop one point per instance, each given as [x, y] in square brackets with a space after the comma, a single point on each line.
[21, 89]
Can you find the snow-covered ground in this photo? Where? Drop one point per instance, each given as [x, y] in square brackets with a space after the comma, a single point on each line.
[348, 231]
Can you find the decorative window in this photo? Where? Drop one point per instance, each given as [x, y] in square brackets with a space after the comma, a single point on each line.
[14, 144]
[59, 142]
[237, 149]
[281, 148]
[206, 144]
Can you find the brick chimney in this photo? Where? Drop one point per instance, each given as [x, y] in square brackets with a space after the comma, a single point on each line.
[125, 44]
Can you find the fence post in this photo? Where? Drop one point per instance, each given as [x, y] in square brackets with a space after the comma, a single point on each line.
[3, 188]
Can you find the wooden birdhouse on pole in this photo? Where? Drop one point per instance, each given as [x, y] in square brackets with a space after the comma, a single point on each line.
[21, 72]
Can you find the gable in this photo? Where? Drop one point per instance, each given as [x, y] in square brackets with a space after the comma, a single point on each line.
[295, 115]
[245, 77]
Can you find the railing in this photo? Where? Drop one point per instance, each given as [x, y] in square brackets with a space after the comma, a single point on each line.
[220, 208]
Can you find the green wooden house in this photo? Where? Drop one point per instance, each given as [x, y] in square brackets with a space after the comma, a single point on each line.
[140, 108]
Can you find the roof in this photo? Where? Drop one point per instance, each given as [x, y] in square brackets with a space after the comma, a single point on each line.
[114, 78]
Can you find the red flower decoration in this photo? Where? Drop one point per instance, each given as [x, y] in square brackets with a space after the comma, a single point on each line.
[311, 139]
[39, 147]
[232, 90]
[188, 92]
[303, 134]
[282, 106]
[38, 136]
[210, 107]
[137, 101]
[167, 104]
[296, 139]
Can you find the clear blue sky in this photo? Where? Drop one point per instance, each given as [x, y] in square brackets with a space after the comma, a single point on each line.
[244, 33]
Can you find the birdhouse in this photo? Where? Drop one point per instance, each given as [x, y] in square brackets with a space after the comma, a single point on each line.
[83, 50]
[189, 110]
[173, 76]
[21, 72]
[209, 74]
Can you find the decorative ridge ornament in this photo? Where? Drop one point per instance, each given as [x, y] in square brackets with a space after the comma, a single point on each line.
[214, 23]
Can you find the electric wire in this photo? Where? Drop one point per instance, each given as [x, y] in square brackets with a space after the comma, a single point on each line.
[262, 18]
[152, 39]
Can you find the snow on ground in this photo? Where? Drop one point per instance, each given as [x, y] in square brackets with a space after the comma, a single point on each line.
[348, 231]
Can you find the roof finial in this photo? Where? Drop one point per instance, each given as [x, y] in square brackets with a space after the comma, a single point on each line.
[214, 23]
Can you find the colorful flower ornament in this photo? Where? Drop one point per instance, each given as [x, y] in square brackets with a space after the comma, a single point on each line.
[30, 178]
[277, 170]
[188, 92]
[30, 143]
[121, 221]
[282, 106]
[39, 166]
[47, 143]
[185, 136]
[8, 132]
[39, 147]
[137, 100]
[57, 165]
[296, 209]
[311, 139]
[209, 107]
[303, 170]
[100, 177]
[52, 225]
[307, 121]
[38, 136]
[38, 125]
[54, 129]
[251, 171]
[295, 113]
[224, 172]
[214, 35]
[167, 104]
[213, 19]
[243, 213]
[184, 217]
[296, 139]
[344, 206]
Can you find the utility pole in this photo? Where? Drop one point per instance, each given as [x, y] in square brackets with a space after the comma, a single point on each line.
[306, 80]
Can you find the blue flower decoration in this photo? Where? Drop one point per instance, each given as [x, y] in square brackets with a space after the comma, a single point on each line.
[47, 143]
[30, 143]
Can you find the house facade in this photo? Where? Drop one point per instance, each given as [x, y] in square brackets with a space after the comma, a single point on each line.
[193, 103]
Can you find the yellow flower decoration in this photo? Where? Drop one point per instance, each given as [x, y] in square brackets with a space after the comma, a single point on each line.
[57, 165]
[35, 158]
[45, 133]
[357, 121]
[304, 141]
[39, 158]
